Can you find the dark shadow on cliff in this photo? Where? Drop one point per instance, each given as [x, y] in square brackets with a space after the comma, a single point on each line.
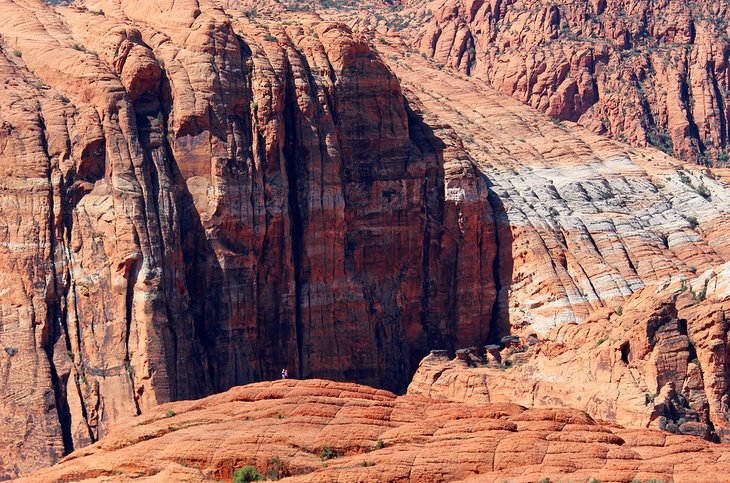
[186, 337]
[500, 324]
[235, 288]
[429, 146]
[444, 283]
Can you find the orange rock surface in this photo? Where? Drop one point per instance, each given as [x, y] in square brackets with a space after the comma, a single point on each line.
[199, 193]
[285, 427]
[660, 362]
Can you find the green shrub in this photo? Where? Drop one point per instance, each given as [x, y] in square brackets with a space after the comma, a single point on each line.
[703, 191]
[327, 453]
[170, 413]
[246, 474]
[684, 178]
[601, 340]
[276, 470]
[379, 444]
[693, 223]
[723, 158]
[270, 38]
[18, 53]
[662, 141]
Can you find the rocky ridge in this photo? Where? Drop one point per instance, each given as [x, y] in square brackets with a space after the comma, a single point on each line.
[587, 222]
[324, 431]
[643, 72]
[659, 361]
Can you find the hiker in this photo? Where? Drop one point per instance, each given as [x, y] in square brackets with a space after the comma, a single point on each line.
[284, 373]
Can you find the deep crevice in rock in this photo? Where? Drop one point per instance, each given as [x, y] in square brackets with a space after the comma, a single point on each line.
[294, 172]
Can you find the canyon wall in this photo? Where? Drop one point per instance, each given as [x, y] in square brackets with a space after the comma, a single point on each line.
[640, 71]
[193, 201]
[197, 194]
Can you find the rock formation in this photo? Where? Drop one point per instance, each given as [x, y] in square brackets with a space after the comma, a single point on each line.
[644, 72]
[199, 193]
[585, 223]
[323, 431]
[641, 71]
[661, 361]
[184, 212]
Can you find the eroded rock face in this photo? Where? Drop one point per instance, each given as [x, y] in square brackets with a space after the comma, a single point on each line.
[660, 362]
[644, 72]
[583, 222]
[194, 200]
[285, 428]
[196, 197]
[641, 71]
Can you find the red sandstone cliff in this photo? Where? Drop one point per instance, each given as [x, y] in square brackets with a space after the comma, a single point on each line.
[640, 71]
[197, 194]
[645, 72]
[195, 199]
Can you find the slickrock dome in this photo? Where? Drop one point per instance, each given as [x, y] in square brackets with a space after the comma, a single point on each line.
[324, 431]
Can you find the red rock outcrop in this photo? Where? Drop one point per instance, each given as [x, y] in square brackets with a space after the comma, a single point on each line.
[660, 362]
[646, 72]
[642, 71]
[193, 200]
[318, 430]
[197, 194]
